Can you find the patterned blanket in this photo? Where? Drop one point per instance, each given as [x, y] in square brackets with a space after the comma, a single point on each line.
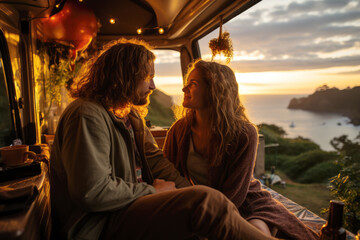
[309, 218]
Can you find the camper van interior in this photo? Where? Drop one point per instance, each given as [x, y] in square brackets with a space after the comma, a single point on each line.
[43, 43]
[40, 37]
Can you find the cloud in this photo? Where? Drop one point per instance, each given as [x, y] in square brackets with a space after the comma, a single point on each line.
[296, 8]
[168, 69]
[293, 64]
[273, 38]
[349, 73]
[296, 35]
[302, 35]
[253, 84]
[167, 56]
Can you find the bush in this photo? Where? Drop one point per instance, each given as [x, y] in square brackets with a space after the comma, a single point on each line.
[296, 146]
[296, 167]
[275, 160]
[269, 135]
[272, 128]
[346, 185]
[320, 173]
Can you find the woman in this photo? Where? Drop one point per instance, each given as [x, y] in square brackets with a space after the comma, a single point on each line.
[215, 144]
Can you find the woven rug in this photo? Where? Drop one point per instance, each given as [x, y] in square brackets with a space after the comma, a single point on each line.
[309, 218]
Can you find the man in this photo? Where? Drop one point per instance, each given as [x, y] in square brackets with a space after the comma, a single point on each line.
[104, 162]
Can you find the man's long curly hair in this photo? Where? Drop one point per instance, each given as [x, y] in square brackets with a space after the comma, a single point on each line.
[111, 77]
[227, 114]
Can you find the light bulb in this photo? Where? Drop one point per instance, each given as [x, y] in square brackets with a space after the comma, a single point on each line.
[112, 20]
[161, 30]
[139, 31]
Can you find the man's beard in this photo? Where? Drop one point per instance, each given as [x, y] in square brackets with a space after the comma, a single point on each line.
[144, 100]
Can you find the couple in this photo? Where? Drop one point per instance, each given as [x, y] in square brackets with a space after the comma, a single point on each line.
[109, 180]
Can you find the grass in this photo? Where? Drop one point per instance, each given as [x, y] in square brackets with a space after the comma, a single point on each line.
[314, 196]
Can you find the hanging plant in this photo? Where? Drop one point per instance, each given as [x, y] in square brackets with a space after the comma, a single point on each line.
[60, 73]
[222, 44]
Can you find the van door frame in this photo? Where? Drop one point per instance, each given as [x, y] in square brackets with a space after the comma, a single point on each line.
[14, 106]
[28, 89]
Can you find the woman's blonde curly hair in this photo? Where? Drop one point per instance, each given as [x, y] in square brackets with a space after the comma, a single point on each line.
[112, 76]
[227, 114]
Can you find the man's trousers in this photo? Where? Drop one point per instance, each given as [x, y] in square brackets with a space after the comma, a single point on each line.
[197, 211]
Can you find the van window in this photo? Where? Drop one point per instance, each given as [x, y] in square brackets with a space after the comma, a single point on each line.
[7, 133]
[13, 42]
[168, 79]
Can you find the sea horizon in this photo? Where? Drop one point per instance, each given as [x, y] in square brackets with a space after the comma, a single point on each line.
[272, 109]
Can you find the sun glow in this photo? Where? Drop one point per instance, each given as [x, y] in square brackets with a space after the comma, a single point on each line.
[290, 82]
[171, 85]
[296, 82]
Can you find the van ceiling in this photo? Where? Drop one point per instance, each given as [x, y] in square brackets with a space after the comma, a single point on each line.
[182, 20]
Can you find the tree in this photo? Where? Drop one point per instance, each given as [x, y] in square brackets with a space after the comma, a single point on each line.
[322, 88]
[346, 185]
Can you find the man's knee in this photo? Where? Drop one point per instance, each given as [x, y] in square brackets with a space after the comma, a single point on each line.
[201, 190]
[207, 194]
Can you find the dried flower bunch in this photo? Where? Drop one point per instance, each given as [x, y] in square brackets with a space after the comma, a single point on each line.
[223, 44]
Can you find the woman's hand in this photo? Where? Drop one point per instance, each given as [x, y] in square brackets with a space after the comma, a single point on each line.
[161, 185]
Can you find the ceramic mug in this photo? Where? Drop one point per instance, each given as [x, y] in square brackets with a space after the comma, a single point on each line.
[16, 155]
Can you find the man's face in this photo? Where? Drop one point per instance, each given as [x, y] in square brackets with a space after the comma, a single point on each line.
[145, 87]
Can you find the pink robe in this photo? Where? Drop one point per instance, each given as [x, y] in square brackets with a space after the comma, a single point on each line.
[234, 178]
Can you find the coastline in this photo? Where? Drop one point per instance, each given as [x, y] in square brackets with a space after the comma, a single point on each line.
[320, 127]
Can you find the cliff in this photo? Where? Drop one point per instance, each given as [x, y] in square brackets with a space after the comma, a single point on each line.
[345, 102]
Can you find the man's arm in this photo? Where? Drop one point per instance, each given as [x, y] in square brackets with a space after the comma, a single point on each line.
[86, 158]
[160, 166]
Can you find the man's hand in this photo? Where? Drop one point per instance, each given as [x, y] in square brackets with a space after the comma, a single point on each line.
[161, 185]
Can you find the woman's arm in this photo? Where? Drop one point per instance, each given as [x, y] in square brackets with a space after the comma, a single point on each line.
[170, 145]
[239, 167]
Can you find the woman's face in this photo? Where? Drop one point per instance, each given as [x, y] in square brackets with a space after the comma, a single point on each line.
[195, 91]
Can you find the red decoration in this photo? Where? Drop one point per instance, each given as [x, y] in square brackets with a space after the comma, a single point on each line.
[74, 25]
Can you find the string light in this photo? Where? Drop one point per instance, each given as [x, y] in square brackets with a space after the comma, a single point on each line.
[112, 20]
[81, 0]
[160, 30]
[57, 5]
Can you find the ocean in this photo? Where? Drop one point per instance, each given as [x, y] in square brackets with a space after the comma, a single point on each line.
[319, 127]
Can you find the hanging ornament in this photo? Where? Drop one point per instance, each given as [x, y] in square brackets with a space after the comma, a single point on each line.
[222, 44]
[74, 25]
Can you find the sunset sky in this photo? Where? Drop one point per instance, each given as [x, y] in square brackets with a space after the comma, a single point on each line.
[284, 47]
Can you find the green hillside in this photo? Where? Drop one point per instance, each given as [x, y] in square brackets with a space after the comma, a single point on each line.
[160, 113]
